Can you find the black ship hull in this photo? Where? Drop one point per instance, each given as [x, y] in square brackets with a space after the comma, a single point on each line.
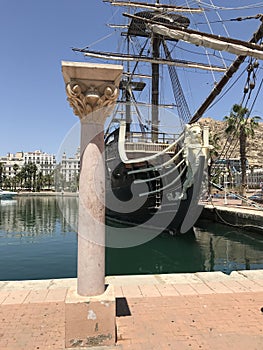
[138, 196]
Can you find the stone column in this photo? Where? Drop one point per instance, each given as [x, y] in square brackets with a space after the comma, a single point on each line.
[92, 90]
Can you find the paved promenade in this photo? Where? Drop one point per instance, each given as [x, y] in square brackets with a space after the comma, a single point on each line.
[235, 205]
[175, 311]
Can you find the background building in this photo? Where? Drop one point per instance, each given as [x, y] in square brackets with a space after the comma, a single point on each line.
[68, 172]
[11, 164]
[27, 170]
[46, 163]
[70, 166]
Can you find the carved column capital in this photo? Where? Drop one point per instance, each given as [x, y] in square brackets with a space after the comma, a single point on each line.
[87, 99]
[92, 89]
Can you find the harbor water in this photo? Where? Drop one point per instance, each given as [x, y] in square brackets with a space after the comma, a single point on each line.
[38, 240]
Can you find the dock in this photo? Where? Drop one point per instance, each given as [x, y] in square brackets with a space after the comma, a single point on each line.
[234, 214]
[206, 310]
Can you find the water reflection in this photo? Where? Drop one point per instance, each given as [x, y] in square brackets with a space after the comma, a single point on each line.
[209, 247]
[228, 249]
[164, 254]
[34, 216]
[38, 240]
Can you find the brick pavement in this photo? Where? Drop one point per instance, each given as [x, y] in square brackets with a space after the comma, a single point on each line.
[176, 311]
[206, 311]
[32, 326]
[32, 319]
[226, 321]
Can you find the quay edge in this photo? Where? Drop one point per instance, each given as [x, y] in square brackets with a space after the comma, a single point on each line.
[235, 215]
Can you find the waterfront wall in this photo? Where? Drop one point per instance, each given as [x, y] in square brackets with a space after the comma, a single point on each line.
[240, 217]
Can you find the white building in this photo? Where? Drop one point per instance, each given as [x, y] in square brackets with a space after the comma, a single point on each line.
[9, 161]
[45, 162]
[70, 167]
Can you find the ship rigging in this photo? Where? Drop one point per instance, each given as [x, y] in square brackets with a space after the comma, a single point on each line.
[156, 176]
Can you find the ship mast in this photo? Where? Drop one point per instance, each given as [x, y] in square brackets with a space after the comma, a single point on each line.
[128, 93]
[155, 84]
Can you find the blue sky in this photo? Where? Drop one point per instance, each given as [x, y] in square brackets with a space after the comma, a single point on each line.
[35, 37]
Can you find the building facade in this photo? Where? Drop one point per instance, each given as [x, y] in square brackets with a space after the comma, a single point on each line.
[13, 163]
[46, 163]
[69, 170]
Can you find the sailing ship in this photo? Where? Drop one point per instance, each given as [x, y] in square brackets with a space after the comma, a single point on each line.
[156, 174]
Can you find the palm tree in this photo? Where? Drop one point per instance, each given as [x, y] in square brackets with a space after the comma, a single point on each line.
[15, 167]
[22, 176]
[214, 141]
[28, 176]
[240, 125]
[1, 174]
[49, 180]
[39, 182]
[32, 171]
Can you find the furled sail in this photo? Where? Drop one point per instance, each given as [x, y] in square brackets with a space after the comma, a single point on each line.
[155, 7]
[132, 58]
[202, 40]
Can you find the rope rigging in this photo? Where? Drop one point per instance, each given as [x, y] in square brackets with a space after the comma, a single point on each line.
[182, 107]
[214, 7]
[231, 143]
[209, 4]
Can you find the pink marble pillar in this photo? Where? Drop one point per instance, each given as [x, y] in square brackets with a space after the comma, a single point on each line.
[92, 91]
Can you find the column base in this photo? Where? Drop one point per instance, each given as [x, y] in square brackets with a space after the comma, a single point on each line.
[90, 321]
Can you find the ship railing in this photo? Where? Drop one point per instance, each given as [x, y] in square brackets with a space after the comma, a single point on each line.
[122, 148]
[147, 147]
[146, 137]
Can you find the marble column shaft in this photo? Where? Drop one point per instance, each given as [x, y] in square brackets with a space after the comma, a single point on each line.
[92, 91]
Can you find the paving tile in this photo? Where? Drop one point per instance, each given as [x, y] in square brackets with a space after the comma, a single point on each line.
[62, 283]
[251, 285]
[118, 292]
[216, 276]
[149, 291]
[131, 291]
[56, 295]
[26, 285]
[235, 286]
[235, 275]
[179, 278]
[167, 290]
[219, 287]
[252, 274]
[16, 297]
[202, 288]
[3, 296]
[132, 280]
[36, 296]
[185, 289]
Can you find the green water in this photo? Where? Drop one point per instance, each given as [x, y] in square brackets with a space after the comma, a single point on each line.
[38, 240]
